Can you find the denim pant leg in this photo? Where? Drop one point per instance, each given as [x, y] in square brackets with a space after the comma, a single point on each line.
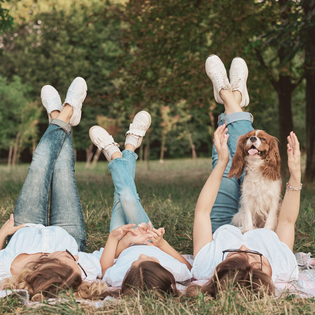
[65, 205]
[227, 201]
[127, 206]
[32, 203]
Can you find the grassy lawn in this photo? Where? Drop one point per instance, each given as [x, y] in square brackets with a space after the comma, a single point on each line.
[168, 192]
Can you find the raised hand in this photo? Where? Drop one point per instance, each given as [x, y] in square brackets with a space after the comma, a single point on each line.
[8, 228]
[138, 235]
[220, 139]
[294, 155]
[123, 230]
[157, 237]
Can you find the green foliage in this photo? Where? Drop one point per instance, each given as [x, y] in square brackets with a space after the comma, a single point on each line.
[17, 115]
[57, 46]
[6, 20]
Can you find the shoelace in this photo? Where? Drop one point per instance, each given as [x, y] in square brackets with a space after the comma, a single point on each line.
[51, 102]
[71, 94]
[220, 78]
[236, 80]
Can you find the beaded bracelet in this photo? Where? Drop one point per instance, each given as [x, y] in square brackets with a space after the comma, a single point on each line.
[289, 187]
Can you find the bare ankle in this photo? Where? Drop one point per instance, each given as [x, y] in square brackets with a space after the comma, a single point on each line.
[116, 155]
[237, 97]
[66, 113]
[54, 114]
[130, 147]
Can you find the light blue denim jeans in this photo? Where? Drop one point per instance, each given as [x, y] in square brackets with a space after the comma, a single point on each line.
[227, 201]
[52, 168]
[127, 205]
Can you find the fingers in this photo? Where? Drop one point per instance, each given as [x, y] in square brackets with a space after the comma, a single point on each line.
[150, 225]
[128, 226]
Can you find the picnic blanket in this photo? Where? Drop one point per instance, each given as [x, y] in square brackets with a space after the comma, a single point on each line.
[303, 287]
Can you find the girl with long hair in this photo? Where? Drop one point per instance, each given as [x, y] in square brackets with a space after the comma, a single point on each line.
[40, 258]
[227, 258]
[144, 260]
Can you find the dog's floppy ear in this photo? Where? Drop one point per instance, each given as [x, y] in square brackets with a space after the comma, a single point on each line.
[238, 163]
[271, 167]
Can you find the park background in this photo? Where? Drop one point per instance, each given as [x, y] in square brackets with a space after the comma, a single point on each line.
[150, 55]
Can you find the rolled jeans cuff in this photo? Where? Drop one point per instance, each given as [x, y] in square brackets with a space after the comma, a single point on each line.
[229, 119]
[62, 124]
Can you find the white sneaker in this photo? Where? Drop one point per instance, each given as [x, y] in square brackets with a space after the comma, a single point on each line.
[75, 97]
[104, 141]
[50, 99]
[238, 78]
[216, 72]
[137, 129]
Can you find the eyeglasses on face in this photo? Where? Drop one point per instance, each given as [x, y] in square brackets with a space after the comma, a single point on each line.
[254, 252]
[77, 263]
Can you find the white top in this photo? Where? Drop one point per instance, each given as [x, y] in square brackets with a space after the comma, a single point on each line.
[36, 238]
[114, 275]
[282, 260]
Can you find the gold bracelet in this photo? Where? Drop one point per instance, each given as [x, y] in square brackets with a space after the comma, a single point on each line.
[289, 187]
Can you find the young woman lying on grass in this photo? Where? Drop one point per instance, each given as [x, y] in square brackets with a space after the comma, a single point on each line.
[259, 257]
[46, 259]
[145, 260]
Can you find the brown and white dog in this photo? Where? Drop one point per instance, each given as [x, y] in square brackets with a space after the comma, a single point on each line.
[261, 191]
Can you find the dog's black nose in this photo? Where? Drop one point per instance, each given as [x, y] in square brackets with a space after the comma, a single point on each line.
[253, 139]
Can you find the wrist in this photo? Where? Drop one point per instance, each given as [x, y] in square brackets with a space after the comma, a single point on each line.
[162, 243]
[295, 179]
[222, 163]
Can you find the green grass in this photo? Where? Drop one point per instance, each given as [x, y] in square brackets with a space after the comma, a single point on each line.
[169, 192]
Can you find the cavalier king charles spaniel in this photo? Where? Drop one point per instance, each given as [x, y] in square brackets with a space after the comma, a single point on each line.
[261, 191]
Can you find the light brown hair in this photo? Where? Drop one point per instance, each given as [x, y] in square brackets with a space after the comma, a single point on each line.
[235, 273]
[149, 276]
[44, 278]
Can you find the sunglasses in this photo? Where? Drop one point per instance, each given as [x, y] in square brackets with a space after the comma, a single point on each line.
[243, 251]
[77, 263]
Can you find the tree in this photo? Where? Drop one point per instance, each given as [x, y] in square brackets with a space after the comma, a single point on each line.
[53, 45]
[18, 118]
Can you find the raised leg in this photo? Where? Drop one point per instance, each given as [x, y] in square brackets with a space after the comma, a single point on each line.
[127, 206]
[65, 205]
[238, 123]
[32, 203]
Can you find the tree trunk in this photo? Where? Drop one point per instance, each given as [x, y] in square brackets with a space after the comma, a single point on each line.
[15, 152]
[285, 89]
[147, 151]
[89, 155]
[310, 100]
[96, 157]
[162, 146]
[141, 152]
[310, 125]
[10, 157]
[193, 150]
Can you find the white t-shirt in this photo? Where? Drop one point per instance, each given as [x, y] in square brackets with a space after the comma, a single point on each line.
[114, 275]
[36, 238]
[282, 260]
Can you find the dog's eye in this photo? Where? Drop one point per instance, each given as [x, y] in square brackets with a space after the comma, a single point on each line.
[247, 138]
[262, 139]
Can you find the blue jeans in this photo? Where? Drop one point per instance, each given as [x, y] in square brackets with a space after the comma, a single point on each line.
[227, 201]
[127, 205]
[52, 168]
